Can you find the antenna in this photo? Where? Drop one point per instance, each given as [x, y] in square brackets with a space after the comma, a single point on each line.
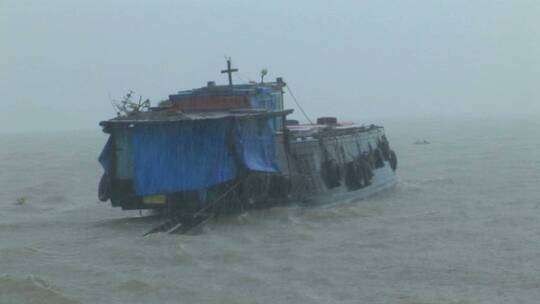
[264, 72]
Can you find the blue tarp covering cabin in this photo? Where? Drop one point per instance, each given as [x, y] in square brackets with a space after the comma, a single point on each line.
[181, 156]
[188, 155]
[255, 145]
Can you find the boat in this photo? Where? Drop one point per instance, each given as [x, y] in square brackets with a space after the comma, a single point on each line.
[230, 148]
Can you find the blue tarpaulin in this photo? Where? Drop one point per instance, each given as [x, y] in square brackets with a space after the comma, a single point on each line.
[106, 156]
[255, 144]
[182, 156]
[194, 155]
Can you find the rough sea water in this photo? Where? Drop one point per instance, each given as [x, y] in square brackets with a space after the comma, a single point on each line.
[462, 226]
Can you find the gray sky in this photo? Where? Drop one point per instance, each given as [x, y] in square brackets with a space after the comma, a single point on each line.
[60, 59]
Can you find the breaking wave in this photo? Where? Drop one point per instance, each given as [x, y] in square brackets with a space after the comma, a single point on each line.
[33, 289]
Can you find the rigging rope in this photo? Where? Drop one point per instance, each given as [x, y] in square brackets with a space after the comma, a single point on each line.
[219, 198]
[242, 77]
[298, 104]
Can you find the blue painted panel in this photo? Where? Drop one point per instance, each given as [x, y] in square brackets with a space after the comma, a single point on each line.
[270, 100]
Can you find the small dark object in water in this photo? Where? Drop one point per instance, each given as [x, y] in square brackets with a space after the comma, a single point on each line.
[422, 142]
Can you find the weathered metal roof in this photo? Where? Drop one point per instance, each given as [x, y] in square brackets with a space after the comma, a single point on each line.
[225, 90]
[303, 130]
[175, 116]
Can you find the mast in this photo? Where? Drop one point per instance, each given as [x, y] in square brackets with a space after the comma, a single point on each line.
[229, 71]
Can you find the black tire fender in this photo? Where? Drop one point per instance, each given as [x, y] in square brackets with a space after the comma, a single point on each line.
[393, 160]
[330, 173]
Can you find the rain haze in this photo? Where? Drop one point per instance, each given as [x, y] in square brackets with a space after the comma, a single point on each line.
[432, 197]
[61, 60]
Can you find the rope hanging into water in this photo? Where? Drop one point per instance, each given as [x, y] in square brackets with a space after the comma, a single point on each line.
[298, 104]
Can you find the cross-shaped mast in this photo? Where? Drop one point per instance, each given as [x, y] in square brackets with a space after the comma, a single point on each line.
[229, 71]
